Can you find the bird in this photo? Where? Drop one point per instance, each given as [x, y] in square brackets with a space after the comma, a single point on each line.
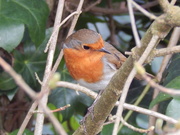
[90, 60]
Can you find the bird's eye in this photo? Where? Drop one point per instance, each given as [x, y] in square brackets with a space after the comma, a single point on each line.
[86, 47]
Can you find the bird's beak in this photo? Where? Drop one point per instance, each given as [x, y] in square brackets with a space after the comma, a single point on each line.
[104, 50]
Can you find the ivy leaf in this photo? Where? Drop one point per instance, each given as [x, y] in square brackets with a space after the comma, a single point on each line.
[173, 109]
[11, 33]
[171, 79]
[32, 59]
[6, 82]
[14, 14]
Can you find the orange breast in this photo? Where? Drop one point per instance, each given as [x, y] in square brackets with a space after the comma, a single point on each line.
[85, 65]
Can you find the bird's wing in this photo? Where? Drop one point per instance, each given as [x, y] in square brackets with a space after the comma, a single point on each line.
[116, 57]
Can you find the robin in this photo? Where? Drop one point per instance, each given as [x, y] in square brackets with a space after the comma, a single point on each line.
[90, 60]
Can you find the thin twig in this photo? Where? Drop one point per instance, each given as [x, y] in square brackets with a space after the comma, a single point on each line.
[112, 120]
[61, 108]
[169, 91]
[47, 74]
[133, 24]
[78, 12]
[56, 110]
[137, 129]
[76, 87]
[145, 54]
[150, 113]
[56, 65]
[19, 80]
[173, 41]
[76, 17]
[166, 51]
[27, 118]
[151, 16]
[92, 5]
[173, 2]
[164, 4]
[113, 11]
[57, 29]
[144, 92]
[37, 78]
[93, 95]
[33, 95]
[54, 68]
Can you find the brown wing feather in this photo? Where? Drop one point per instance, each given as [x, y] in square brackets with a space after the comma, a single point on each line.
[116, 57]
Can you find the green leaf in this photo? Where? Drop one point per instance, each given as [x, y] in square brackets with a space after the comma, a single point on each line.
[161, 97]
[171, 79]
[142, 121]
[173, 109]
[26, 132]
[11, 33]
[32, 13]
[31, 60]
[61, 97]
[107, 129]
[6, 82]
[174, 83]
[172, 72]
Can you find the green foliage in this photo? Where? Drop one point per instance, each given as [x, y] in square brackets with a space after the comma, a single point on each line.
[6, 82]
[70, 124]
[26, 63]
[14, 14]
[26, 132]
[170, 79]
[11, 33]
[23, 24]
[173, 109]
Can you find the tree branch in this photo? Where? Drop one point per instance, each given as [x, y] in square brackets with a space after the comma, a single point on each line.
[164, 4]
[104, 105]
[133, 24]
[93, 95]
[173, 41]
[37, 97]
[47, 73]
[167, 51]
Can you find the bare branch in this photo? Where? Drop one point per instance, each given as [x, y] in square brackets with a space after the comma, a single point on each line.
[92, 5]
[56, 29]
[18, 79]
[167, 51]
[33, 95]
[164, 4]
[137, 129]
[78, 12]
[151, 45]
[77, 88]
[93, 95]
[133, 24]
[27, 118]
[76, 17]
[151, 16]
[155, 85]
[47, 74]
[150, 113]
[173, 2]
[111, 11]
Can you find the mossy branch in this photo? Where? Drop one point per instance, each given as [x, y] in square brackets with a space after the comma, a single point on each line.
[111, 94]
